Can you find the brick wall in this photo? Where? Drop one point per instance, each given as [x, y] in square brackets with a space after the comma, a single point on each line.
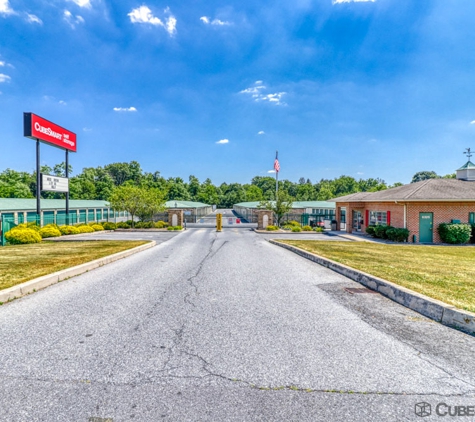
[443, 212]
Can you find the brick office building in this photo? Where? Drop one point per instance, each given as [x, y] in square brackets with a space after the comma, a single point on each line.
[419, 207]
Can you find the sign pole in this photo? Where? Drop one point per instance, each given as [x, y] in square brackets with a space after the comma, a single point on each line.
[38, 180]
[67, 193]
[276, 175]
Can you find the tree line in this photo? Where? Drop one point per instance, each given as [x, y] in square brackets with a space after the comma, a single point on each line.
[100, 183]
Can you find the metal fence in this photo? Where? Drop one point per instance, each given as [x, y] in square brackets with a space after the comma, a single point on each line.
[308, 219]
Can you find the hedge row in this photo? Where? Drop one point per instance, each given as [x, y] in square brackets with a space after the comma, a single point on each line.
[142, 225]
[388, 232]
[26, 233]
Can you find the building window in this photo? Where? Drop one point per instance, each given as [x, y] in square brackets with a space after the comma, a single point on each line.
[378, 218]
[471, 217]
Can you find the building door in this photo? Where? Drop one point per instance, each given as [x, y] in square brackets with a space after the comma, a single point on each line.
[357, 220]
[426, 233]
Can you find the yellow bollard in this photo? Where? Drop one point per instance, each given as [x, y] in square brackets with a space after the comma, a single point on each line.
[219, 222]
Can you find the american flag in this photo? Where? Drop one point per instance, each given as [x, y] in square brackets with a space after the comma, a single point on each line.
[276, 164]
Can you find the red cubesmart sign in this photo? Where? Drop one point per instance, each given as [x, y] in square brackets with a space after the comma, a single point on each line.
[35, 127]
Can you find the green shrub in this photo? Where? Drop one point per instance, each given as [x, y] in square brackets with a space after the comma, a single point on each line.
[287, 227]
[98, 227]
[85, 229]
[319, 229]
[123, 225]
[293, 223]
[178, 228]
[271, 228]
[92, 223]
[109, 225]
[370, 230]
[49, 231]
[296, 229]
[161, 224]
[65, 230]
[381, 231]
[455, 233]
[144, 225]
[22, 236]
[397, 234]
[306, 228]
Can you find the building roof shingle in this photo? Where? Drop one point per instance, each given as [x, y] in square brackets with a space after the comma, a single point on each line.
[427, 190]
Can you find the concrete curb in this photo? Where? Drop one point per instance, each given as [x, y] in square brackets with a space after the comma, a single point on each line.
[47, 280]
[431, 308]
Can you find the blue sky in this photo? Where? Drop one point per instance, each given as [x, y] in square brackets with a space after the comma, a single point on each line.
[381, 88]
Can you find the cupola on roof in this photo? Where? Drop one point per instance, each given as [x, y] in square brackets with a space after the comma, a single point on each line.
[467, 171]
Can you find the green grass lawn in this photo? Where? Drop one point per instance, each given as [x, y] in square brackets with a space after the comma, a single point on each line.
[446, 273]
[21, 263]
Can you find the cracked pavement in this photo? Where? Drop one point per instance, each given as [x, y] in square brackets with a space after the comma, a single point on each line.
[224, 326]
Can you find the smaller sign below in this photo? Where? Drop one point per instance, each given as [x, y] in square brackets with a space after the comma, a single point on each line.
[54, 183]
[230, 221]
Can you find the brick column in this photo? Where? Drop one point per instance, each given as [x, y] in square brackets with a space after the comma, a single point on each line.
[264, 218]
[175, 217]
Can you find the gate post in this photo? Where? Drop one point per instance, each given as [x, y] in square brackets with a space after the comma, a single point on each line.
[175, 217]
[264, 218]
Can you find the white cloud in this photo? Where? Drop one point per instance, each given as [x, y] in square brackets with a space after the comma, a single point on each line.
[171, 25]
[121, 109]
[71, 19]
[5, 8]
[215, 22]
[4, 78]
[352, 1]
[271, 171]
[83, 3]
[62, 102]
[86, 129]
[33, 19]
[223, 141]
[257, 94]
[144, 15]
[359, 173]
[261, 132]
[472, 122]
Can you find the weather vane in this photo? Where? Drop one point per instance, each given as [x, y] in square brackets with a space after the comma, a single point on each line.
[468, 153]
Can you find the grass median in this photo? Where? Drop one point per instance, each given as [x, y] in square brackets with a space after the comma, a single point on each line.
[26, 262]
[446, 273]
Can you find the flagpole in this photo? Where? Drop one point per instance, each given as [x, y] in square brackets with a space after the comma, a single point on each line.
[276, 176]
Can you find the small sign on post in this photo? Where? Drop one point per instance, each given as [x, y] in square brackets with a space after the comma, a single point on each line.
[54, 183]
